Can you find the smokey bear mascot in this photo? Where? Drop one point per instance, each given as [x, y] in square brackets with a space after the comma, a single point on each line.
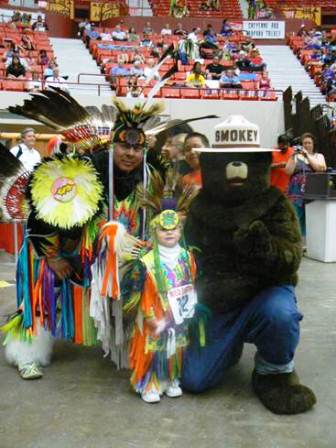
[248, 249]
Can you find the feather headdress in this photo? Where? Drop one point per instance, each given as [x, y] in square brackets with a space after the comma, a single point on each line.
[163, 196]
[87, 129]
[14, 179]
[84, 129]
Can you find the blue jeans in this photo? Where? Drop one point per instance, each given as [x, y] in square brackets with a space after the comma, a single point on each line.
[270, 321]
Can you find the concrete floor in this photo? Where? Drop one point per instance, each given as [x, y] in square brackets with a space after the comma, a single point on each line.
[82, 401]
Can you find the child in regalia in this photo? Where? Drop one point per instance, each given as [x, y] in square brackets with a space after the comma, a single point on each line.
[164, 298]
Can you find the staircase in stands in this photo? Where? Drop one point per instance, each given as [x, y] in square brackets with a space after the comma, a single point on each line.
[285, 70]
[73, 59]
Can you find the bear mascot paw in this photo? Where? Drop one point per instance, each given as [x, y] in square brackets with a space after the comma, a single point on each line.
[283, 393]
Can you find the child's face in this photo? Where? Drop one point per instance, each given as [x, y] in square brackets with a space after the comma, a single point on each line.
[168, 238]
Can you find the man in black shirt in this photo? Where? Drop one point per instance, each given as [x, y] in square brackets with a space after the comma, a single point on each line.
[180, 31]
[215, 69]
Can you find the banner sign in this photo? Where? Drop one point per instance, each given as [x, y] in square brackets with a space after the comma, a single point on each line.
[65, 7]
[100, 11]
[310, 13]
[270, 29]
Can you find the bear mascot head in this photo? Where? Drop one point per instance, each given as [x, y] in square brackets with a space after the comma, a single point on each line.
[233, 173]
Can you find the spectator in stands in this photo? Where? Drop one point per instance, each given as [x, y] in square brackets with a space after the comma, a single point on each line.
[229, 80]
[303, 161]
[214, 70]
[132, 34]
[183, 50]
[194, 140]
[149, 71]
[26, 43]
[210, 40]
[196, 78]
[35, 84]
[92, 34]
[16, 16]
[40, 24]
[48, 71]
[133, 88]
[118, 34]
[12, 50]
[226, 29]
[25, 151]
[83, 26]
[148, 29]
[194, 35]
[204, 5]
[146, 41]
[166, 30]
[246, 63]
[56, 80]
[302, 31]
[256, 60]
[106, 36]
[26, 19]
[123, 57]
[179, 31]
[137, 70]
[43, 58]
[279, 176]
[213, 5]
[264, 81]
[120, 70]
[208, 29]
[137, 56]
[15, 69]
[116, 72]
[172, 150]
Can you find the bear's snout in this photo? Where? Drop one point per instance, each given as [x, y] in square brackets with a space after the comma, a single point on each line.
[236, 171]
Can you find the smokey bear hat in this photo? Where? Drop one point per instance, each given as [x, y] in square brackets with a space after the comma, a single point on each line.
[235, 134]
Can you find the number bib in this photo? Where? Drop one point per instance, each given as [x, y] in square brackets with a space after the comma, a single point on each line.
[182, 301]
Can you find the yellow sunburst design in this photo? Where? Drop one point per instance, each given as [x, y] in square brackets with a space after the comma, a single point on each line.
[66, 192]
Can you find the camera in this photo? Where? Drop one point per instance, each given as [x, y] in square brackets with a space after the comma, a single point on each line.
[298, 149]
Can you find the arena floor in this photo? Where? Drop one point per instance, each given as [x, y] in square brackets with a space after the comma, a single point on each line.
[82, 401]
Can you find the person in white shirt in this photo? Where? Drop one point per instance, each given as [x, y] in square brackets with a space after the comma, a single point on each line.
[119, 34]
[149, 71]
[166, 31]
[56, 80]
[193, 36]
[106, 36]
[25, 151]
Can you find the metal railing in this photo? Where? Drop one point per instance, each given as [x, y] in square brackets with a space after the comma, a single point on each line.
[43, 85]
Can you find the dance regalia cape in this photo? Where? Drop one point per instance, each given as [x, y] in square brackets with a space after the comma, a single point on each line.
[157, 358]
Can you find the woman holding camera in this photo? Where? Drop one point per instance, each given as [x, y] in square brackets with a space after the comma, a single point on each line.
[304, 160]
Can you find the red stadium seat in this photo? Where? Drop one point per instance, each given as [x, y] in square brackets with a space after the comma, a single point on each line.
[210, 94]
[190, 93]
[9, 84]
[170, 92]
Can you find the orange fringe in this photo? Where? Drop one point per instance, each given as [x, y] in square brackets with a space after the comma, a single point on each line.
[111, 267]
[78, 314]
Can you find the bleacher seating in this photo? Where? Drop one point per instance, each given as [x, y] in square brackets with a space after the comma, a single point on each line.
[314, 61]
[106, 54]
[280, 4]
[34, 70]
[229, 9]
